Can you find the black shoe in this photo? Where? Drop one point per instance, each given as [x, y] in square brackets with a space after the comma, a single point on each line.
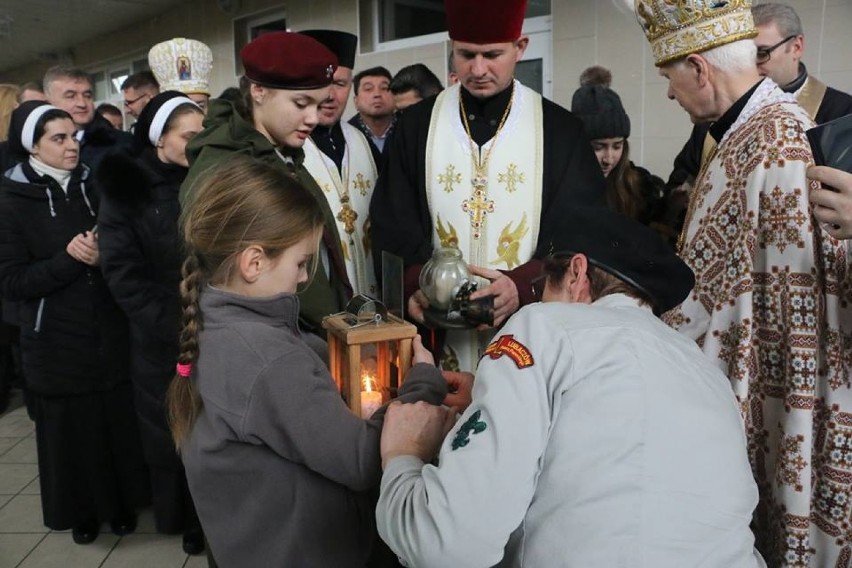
[193, 541]
[84, 533]
[123, 524]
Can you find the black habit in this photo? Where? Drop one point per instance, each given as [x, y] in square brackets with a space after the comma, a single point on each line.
[75, 353]
[141, 257]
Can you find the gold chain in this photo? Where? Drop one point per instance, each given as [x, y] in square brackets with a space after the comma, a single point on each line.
[482, 161]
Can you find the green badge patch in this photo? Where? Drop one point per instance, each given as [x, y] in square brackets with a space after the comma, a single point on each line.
[471, 426]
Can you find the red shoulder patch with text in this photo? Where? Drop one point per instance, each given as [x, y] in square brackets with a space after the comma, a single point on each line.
[512, 348]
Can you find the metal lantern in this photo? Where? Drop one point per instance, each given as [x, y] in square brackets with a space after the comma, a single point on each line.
[369, 353]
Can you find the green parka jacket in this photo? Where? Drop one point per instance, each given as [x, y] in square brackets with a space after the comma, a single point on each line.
[227, 134]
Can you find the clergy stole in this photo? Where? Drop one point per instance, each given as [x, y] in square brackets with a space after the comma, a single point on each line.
[489, 210]
[348, 193]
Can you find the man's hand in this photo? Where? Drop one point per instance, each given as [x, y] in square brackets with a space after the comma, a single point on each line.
[414, 430]
[506, 301]
[460, 386]
[833, 208]
[417, 302]
[84, 248]
[421, 354]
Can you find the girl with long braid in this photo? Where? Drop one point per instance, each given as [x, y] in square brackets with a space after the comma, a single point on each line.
[278, 466]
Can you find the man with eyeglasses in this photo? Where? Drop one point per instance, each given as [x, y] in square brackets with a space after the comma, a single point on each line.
[780, 48]
[138, 89]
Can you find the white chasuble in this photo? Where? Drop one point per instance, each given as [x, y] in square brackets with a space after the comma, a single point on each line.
[772, 306]
[485, 201]
[348, 193]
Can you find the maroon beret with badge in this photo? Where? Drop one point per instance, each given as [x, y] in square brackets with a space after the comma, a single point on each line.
[485, 21]
[285, 60]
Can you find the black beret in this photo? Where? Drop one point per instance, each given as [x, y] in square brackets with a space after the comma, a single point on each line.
[601, 111]
[342, 44]
[285, 60]
[626, 249]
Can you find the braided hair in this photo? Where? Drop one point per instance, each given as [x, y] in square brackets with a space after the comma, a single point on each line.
[238, 204]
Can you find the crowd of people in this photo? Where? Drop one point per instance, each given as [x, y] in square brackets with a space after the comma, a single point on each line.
[667, 380]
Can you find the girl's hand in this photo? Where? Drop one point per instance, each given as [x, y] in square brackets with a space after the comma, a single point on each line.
[421, 354]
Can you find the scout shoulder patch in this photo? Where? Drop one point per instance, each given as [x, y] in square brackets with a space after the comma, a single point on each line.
[512, 348]
[472, 425]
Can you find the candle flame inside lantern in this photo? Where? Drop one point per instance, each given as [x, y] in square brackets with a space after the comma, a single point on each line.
[368, 381]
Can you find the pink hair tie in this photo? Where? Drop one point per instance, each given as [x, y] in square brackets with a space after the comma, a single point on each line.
[184, 369]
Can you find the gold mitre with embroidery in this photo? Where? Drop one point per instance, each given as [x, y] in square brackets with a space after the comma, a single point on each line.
[183, 65]
[677, 28]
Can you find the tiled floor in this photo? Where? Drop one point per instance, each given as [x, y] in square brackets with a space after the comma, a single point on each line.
[26, 543]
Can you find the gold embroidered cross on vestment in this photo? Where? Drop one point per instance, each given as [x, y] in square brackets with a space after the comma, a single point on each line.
[449, 177]
[511, 178]
[361, 184]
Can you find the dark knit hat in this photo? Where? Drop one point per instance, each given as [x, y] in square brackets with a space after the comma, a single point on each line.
[626, 249]
[601, 111]
[285, 60]
[342, 44]
[152, 120]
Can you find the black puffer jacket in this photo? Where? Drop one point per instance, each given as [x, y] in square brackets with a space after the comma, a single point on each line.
[101, 138]
[74, 337]
[141, 256]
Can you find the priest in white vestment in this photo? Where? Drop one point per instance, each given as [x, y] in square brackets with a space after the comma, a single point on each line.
[338, 157]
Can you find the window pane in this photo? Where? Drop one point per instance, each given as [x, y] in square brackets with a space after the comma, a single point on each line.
[99, 83]
[275, 26]
[531, 74]
[410, 18]
[116, 78]
[538, 8]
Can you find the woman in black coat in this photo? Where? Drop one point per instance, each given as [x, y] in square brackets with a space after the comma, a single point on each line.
[141, 257]
[74, 339]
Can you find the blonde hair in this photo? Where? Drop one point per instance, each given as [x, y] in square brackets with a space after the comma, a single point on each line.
[239, 204]
[8, 102]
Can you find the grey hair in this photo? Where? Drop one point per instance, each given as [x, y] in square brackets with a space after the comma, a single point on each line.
[64, 72]
[783, 16]
[735, 56]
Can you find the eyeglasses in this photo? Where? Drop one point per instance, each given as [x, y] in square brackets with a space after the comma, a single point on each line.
[136, 100]
[765, 53]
